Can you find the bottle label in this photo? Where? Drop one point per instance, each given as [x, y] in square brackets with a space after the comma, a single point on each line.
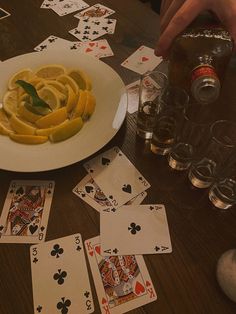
[203, 70]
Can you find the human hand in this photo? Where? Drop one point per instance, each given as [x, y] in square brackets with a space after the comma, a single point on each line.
[176, 15]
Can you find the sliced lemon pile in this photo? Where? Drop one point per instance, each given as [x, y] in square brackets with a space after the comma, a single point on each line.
[50, 71]
[54, 118]
[20, 126]
[48, 94]
[66, 130]
[66, 79]
[24, 74]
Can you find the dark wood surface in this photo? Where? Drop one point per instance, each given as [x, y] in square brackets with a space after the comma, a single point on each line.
[185, 280]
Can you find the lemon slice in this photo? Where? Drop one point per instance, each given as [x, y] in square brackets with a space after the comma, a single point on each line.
[71, 98]
[28, 139]
[81, 78]
[60, 95]
[5, 127]
[48, 94]
[23, 74]
[21, 127]
[89, 106]
[48, 131]
[56, 84]
[54, 118]
[27, 115]
[50, 71]
[66, 130]
[10, 103]
[66, 79]
[79, 108]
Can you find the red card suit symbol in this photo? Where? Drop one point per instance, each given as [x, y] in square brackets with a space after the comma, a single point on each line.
[103, 47]
[139, 288]
[88, 50]
[104, 301]
[144, 59]
[91, 44]
[91, 253]
[98, 249]
[148, 284]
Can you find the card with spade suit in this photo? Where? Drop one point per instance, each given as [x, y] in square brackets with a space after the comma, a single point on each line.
[142, 60]
[60, 277]
[122, 282]
[116, 176]
[25, 212]
[136, 229]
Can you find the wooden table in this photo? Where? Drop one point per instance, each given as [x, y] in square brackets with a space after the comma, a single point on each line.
[185, 280]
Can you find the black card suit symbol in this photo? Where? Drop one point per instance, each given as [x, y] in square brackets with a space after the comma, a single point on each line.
[49, 191]
[151, 207]
[86, 294]
[87, 27]
[157, 248]
[20, 190]
[95, 33]
[59, 276]
[88, 188]
[39, 309]
[1, 227]
[78, 248]
[73, 47]
[51, 40]
[127, 188]
[134, 228]
[63, 305]
[83, 195]
[91, 170]
[77, 32]
[57, 250]
[33, 228]
[84, 38]
[86, 32]
[42, 228]
[105, 28]
[113, 209]
[111, 197]
[109, 21]
[140, 178]
[11, 191]
[115, 251]
[97, 23]
[105, 161]
[35, 260]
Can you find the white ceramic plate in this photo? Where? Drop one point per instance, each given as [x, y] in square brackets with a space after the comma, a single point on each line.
[109, 114]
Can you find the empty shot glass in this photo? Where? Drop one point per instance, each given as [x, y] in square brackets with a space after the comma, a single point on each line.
[170, 111]
[222, 142]
[152, 85]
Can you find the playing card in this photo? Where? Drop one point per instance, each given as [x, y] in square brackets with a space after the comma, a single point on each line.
[136, 229]
[97, 10]
[57, 43]
[142, 60]
[133, 96]
[3, 13]
[89, 191]
[99, 48]
[26, 210]
[60, 277]
[116, 176]
[64, 7]
[47, 4]
[122, 282]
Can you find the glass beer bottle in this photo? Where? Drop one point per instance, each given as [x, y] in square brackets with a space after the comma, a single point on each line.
[199, 57]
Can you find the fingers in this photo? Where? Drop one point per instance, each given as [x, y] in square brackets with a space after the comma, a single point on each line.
[172, 9]
[183, 17]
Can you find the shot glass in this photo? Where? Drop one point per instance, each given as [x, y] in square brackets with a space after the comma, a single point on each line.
[152, 85]
[170, 111]
[192, 138]
[203, 171]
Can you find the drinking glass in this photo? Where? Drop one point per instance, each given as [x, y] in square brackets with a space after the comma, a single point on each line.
[152, 85]
[220, 146]
[193, 136]
[171, 106]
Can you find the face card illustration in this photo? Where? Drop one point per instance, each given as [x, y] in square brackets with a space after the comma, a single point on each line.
[136, 229]
[142, 60]
[97, 10]
[122, 282]
[26, 210]
[3, 14]
[116, 176]
[59, 267]
[64, 7]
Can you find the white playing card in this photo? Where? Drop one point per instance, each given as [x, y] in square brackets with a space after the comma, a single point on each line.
[47, 4]
[60, 277]
[57, 43]
[64, 7]
[136, 229]
[90, 192]
[142, 60]
[116, 176]
[25, 212]
[99, 48]
[122, 282]
[97, 10]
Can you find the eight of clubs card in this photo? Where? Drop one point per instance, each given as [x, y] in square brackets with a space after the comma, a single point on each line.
[60, 277]
[26, 210]
[122, 282]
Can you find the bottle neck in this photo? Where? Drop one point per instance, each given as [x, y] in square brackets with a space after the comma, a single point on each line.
[205, 84]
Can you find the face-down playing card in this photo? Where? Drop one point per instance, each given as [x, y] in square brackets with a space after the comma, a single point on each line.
[116, 176]
[136, 229]
[26, 210]
[60, 277]
[122, 282]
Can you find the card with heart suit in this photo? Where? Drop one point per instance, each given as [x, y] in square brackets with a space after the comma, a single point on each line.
[97, 48]
[122, 282]
[60, 277]
[142, 60]
[97, 10]
[25, 212]
[116, 176]
[89, 191]
[136, 229]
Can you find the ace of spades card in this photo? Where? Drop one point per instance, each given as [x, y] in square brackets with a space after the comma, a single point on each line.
[122, 282]
[136, 229]
[60, 277]
[25, 212]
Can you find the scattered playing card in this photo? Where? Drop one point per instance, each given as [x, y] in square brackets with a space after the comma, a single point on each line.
[26, 210]
[133, 96]
[136, 229]
[64, 7]
[99, 48]
[3, 13]
[122, 282]
[89, 191]
[60, 277]
[142, 60]
[57, 43]
[97, 10]
[116, 176]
